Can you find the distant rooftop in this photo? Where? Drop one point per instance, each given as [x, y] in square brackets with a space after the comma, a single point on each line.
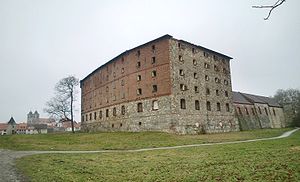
[244, 98]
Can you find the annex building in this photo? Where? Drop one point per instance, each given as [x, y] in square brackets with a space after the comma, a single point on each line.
[163, 85]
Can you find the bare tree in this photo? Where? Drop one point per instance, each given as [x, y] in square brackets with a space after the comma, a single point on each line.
[61, 105]
[271, 7]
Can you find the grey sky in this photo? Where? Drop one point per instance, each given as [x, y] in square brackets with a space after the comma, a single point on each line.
[42, 41]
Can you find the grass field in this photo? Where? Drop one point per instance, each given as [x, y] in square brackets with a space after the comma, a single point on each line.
[273, 160]
[122, 140]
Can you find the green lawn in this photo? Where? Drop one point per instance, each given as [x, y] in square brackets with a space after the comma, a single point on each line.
[273, 160]
[122, 140]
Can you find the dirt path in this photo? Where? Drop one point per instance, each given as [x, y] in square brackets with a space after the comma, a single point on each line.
[8, 172]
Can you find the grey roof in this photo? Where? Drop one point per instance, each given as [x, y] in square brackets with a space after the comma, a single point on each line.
[239, 97]
[12, 121]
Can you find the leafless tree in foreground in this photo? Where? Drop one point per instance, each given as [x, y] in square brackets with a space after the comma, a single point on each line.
[271, 7]
[61, 105]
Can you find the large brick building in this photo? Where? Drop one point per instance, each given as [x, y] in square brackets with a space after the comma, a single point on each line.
[164, 85]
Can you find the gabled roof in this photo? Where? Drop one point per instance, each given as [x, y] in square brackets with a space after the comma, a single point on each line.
[239, 98]
[167, 36]
[244, 98]
[12, 121]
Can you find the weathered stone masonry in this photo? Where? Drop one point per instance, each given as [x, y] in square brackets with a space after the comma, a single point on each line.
[164, 85]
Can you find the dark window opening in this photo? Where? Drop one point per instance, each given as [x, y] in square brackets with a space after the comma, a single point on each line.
[140, 107]
[195, 75]
[266, 111]
[226, 93]
[114, 111]
[138, 64]
[217, 93]
[197, 105]
[139, 78]
[227, 107]
[139, 91]
[123, 110]
[207, 91]
[274, 112]
[182, 104]
[153, 73]
[253, 111]
[121, 124]
[107, 113]
[112, 125]
[240, 111]
[194, 62]
[196, 89]
[154, 88]
[181, 72]
[140, 123]
[153, 60]
[246, 110]
[218, 106]
[95, 115]
[259, 110]
[208, 107]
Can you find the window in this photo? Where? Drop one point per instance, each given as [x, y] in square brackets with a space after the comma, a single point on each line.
[112, 125]
[195, 75]
[246, 110]
[90, 116]
[226, 93]
[225, 82]
[253, 111]
[227, 107]
[259, 110]
[217, 93]
[206, 65]
[107, 113]
[123, 110]
[180, 58]
[196, 89]
[205, 54]
[182, 104]
[206, 78]
[208, 107]
[140, 123]
[153, 73]
[121, 124]
[217, 80]
[207, 91]
[155, 105]
[197, 105]
[274, 112]
[183, 87]
[138, 64]
[218, 106]
[140, 107]
[194, 62]
[139, 78]
[193, 50]
[139, 91]
[114, 111]
[239, 110]
[82, 118]
[100, 114]
[95, 115]
[216, 58]
[266, 111]
[153, 60]
[181, 72]
[153, 48]
[122, 82]
[216, 68]
[154, 88]
[86, 117]
[179, 45]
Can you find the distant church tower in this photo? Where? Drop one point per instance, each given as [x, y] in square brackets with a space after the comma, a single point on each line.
[33, 118]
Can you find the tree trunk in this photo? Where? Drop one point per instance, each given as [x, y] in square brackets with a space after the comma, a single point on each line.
[72, 122]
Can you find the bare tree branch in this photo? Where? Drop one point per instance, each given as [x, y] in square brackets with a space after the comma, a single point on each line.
[61, 106]
[272, 7]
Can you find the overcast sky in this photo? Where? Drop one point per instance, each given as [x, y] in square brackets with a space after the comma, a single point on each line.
[42, 41]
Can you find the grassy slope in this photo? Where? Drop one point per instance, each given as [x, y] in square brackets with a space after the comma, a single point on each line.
[122, 140]
[275, 160]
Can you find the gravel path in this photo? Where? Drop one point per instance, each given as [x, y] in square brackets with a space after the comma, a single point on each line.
[8, 172]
